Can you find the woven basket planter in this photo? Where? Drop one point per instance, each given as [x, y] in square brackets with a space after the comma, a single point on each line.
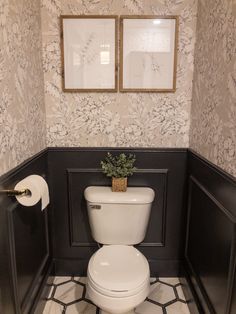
[119, 184]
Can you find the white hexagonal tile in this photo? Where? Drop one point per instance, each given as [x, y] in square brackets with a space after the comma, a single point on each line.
[161, 293]
[180, 293]
[148, 308]
[171, 280]
[68, 292]
[177, 307]
[81, 279]
[81, 307]
[61, 279]
[52, 307]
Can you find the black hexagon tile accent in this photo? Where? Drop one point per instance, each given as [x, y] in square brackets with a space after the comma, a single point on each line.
[68, 295]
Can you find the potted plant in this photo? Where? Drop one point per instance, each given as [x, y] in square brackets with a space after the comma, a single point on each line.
[118, 168]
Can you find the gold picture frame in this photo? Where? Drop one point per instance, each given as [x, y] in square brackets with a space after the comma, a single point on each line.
[89, 53]
[148, 53]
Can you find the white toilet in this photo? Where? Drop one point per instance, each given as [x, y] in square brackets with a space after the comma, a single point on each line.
[118, 274]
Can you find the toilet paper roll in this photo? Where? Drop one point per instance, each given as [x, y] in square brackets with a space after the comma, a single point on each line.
[38, 188]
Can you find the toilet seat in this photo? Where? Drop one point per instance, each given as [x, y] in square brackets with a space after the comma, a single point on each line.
[118, 271]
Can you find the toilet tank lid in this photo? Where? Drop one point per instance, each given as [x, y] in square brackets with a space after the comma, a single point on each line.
[133, 195]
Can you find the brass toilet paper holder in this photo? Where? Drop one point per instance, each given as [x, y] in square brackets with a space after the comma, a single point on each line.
[24, 192]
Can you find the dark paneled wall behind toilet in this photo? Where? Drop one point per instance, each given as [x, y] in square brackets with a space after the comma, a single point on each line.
[72, 170]
[195, 201]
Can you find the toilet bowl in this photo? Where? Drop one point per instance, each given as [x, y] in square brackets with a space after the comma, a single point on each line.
[118, 274]
[118, 278]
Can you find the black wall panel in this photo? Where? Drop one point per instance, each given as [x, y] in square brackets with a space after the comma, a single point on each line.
[24, 243]
[211, 234]
[190, 192]
[233, 302]
[72, 170]
[79, 179]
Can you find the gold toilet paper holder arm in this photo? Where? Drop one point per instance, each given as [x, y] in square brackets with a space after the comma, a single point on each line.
[24, 192]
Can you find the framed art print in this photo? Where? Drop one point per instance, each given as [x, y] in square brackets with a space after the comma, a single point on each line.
[89, 53]
[148, 53]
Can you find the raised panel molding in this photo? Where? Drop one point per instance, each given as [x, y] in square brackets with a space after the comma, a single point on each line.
[76, 168]
[13, 267]
[81, 178]
[24, 245]
[211, 236]
[23, 303]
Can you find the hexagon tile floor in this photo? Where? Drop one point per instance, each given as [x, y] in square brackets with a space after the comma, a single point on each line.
[68, 295]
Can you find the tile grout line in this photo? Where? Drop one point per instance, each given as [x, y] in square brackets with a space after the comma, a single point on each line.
[77, 289]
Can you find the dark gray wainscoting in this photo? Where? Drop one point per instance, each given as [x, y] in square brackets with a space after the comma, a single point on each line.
[194, 200]
[24, 243]
[72, 170]
[79, 179]
[233, 304]
[211, 237]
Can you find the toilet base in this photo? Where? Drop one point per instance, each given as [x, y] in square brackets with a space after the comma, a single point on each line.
[116, 305]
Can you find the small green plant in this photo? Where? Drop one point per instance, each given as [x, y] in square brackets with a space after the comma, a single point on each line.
[120, 166]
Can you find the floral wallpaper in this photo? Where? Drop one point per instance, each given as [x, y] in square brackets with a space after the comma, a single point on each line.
[22, 112]
[117, 119]
[213, 126]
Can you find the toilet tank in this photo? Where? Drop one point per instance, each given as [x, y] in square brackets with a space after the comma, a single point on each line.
[118, 217]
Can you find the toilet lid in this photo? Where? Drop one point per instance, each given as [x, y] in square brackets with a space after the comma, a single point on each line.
[118, 268]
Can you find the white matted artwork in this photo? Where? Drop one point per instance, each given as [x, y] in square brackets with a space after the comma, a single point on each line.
[148, 53]
[89, 53]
